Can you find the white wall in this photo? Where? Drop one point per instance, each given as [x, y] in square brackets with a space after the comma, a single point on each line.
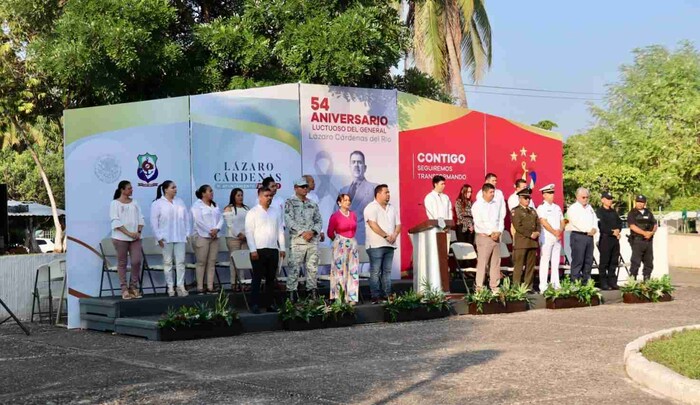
[684, 250]
[17, 274]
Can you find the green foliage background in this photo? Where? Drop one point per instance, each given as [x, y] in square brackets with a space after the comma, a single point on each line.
[646, 139]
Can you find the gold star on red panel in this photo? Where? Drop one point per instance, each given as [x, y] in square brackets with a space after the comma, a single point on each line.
[523, 151]
[533, 157]
[513, 156]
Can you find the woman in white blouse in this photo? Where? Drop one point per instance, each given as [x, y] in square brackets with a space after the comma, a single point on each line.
[234, 216]
[207, 224]
[171, 223]
[127, 223]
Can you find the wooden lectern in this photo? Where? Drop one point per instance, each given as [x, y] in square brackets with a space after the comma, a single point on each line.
[430, 253]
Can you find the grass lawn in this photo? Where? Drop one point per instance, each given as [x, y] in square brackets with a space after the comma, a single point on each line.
[680, 353]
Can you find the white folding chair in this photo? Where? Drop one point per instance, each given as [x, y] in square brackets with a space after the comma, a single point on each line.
[43, 280]
[240, 260]
[464, 251]
[58, 268]
[150, 247]
[109, 260]
[506, 237]
[325, 258]
[364, 259]
[505, 254]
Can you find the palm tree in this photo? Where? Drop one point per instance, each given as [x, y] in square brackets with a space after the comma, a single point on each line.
[450, 36]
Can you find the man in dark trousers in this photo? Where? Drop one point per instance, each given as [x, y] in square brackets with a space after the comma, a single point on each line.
[527, 232]
[610, 226]
[643, 226]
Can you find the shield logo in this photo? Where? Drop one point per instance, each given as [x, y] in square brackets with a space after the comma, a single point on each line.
[147, 171]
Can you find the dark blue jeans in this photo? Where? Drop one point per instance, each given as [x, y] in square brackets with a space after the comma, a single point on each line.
[581, 256]
[380, 260]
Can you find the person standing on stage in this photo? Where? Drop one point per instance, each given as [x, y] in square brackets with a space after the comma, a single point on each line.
[342, 227]
[528, 228]
[207, 225]
[234, 216]
[265, 236]
[552, 221]
[383, 228]
[642, 226]
[514, 200]
[610, 226]
[437, 203]
[361, 191]
[277, 200]
[127, 223]
[584, 224]
[303, 220]
[171, 223]
[465, 220]
[492, 179]
[488, 225]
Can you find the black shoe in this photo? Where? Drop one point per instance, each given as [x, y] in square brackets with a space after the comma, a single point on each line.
[376, 301]
[273, 308]
[615, 287]
[604, 287]
[254, 309]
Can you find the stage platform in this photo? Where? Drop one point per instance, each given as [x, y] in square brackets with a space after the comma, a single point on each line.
[139, 317]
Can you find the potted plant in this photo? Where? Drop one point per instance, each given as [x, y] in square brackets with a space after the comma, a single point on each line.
[508, 299]
[304, 314]
[412, 306]
[200, 321]
[572, 294]
[652, 290]
[339, 312]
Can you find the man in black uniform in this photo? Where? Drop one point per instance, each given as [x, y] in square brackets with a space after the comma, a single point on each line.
[610, 226]
[643, 226]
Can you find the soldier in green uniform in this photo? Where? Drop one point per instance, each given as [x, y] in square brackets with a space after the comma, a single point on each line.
[525, 244]
[303, 220]
[643, 226]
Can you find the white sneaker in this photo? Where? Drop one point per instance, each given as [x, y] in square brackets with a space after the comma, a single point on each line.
[181, 292]
[171, 292]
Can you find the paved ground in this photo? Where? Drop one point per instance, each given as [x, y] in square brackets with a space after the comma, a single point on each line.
[538, 357]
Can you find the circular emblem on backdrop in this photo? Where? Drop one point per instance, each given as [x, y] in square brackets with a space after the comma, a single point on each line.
[107, 169]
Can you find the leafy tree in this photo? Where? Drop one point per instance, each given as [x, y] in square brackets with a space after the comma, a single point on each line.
[546, 124]
[649, 122]
[450, 36]
[415, 82]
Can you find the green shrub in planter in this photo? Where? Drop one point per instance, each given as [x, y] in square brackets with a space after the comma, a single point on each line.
[188, 317]
[506, 293]
[339, 308]
[652, 289]
[574, 289]
[306, 309]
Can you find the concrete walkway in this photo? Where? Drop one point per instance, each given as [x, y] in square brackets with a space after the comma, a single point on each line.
[538, 357]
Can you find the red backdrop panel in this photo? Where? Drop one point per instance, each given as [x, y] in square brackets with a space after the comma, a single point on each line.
[454, 149]
[515, 151]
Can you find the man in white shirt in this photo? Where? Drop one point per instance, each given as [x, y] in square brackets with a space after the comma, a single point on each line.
[514, 200]
[492, 179]
[265, 236]
[277, 200]
[383, 228]
[437, 204]
[583, 224]
[552, 221]
[488, 226]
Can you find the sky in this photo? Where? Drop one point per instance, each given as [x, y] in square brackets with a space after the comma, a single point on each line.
[575, 46]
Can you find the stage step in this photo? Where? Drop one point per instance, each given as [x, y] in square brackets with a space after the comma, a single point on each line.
[147, 326]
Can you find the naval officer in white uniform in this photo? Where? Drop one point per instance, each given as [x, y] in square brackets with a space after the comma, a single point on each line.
[552, 220]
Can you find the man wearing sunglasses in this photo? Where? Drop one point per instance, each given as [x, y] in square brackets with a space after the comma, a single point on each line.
[583, 224]
[304, 224]
[527, 232]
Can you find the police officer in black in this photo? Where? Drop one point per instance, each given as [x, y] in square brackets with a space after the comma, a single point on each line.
[610, 226]
[643, 226]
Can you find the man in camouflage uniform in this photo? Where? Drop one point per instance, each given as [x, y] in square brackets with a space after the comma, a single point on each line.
[304, 224]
